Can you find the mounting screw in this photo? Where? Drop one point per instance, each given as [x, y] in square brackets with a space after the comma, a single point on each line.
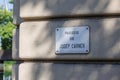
[86, 50]
[87, 28]
[57, 29]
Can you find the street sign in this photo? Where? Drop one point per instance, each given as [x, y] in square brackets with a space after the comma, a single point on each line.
[72, 40]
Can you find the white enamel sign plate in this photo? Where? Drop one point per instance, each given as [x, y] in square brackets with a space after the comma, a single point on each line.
[72, 40]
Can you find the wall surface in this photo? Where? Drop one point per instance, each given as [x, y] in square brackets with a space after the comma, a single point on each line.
[66, 71]
[46, 8]
[37, 39]
[34, 39]
[42, 9]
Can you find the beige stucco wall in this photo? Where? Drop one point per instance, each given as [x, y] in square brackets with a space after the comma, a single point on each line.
[42, 9]
[37, 39]
[69, 71]
[46, 8]
[34, 39]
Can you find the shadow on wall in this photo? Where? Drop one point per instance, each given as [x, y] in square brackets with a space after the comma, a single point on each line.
[103, 31]
[108, 37]
[58, 71]
[104, 37]
[65, 7]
